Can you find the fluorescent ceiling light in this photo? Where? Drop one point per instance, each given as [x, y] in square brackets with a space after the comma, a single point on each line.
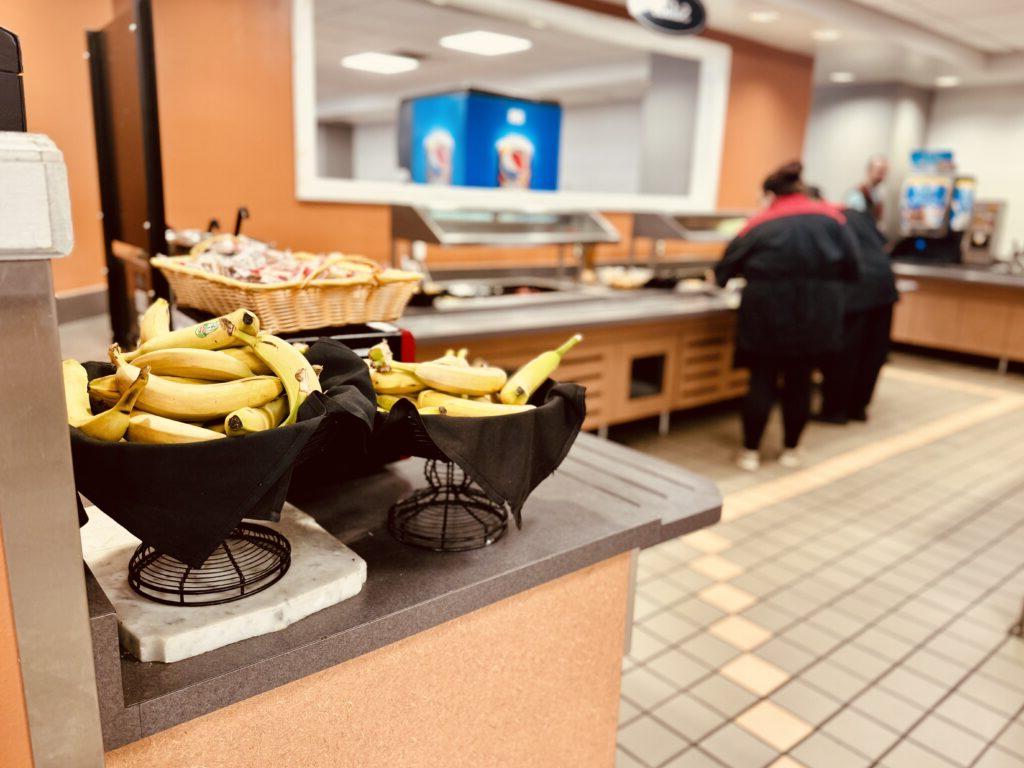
[484, 43]
[764, 17]
[947, 81]
[826, 35]
[842, 77]
[380, 63]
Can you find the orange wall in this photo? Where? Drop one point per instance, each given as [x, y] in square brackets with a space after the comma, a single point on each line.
[57, 103]
[769, 106]
[226, 123]
[15, 747]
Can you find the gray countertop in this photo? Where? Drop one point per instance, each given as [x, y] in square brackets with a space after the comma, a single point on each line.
[604, 500]
[965, 273]
[623, 309]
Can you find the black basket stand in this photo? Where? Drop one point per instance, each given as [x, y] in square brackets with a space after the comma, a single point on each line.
[251, 559]
[449, 515]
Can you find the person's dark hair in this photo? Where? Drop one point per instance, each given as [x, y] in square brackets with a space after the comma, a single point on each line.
[813, 192]
[786, 180]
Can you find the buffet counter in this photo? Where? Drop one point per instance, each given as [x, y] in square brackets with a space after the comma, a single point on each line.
[975, 310]
[647, 353]
[513, 651]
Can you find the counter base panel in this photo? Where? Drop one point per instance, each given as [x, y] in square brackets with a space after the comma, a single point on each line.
[530, 680]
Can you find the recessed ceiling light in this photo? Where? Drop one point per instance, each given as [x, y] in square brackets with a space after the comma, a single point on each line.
[826, 35]
[484, 43]
[380, 63]
[764, 17]
[842, 77]
[947, 81]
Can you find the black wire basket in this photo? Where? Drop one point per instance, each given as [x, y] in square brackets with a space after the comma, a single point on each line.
[251, 559]
[450, 515]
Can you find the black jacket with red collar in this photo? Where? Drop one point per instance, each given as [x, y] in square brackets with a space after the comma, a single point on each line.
[796, 255]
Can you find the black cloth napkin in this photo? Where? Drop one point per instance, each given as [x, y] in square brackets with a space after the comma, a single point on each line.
[184, 500]
[507, 456]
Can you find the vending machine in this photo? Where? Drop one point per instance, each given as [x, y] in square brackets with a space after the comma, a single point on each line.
[474, 138]
[936, 209]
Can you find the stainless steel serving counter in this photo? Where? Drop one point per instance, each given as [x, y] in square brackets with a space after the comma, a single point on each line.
[999, 275]
[431, 326]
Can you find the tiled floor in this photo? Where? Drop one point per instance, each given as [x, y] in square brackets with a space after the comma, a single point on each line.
[853, 613]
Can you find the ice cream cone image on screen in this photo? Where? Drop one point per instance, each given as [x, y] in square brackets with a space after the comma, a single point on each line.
[439, 148]
[515, 161]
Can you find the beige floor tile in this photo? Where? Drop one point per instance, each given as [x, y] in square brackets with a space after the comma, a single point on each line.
[741, 632]
[786, 762]
[707, 541]
[755, 674]
[716, 567]
[727, 598]
[774, 725]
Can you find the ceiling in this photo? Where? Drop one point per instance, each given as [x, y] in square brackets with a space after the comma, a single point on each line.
[573, 69]
[910, 41]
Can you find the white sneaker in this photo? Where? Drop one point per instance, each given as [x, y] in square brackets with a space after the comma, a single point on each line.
[748, 461]
[791, 458]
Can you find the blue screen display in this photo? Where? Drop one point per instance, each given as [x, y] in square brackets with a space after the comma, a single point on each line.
[469, 138]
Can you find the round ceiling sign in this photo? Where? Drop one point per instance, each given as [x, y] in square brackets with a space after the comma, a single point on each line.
[673, 17]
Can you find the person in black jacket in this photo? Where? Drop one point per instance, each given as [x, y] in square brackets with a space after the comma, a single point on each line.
[851, 373]
[795, 255]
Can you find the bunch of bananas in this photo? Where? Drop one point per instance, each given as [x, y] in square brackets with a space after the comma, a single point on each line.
[220, 378]
[450, 386]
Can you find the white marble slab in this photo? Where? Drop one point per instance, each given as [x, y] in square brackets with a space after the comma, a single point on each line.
[323, 572]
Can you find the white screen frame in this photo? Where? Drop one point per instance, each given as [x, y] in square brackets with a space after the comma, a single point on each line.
[712, 99]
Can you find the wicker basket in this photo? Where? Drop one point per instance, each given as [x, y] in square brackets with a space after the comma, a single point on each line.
[295, 306]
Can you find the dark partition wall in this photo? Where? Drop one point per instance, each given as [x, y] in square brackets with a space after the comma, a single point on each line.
[126, 118]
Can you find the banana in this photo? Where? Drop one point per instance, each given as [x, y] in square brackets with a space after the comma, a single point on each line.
[431, 397]
[455, 379]
[461, 407]
[290, 365]
[387, 402]
[104, 390]
[524, 382]
[216, 426]
[156, 321]
[76, 392]
[156, 430]
[395, 382]
[211, 334]
[206, 364]
[111, 425]
[192, 402]
[245, 421]
[246, 356]
[432, 410]
[450, 357]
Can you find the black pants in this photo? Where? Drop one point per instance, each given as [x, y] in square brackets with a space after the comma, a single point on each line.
[851, 374]
[788, 379]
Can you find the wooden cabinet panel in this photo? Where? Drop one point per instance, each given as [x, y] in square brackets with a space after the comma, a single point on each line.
[705, 371]
[982, 327]
[934, 319]
[644, 378]
[1015, 334]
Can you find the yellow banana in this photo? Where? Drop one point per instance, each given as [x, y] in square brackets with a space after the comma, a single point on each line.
[387, 402]
[450, 357]
[105, 390]
[461, 407]
[524, 382]
[290, 365]
[76, 392]
[248, 357]
[210, 334]
[431, 397]
[192, 402]
[431, 410]
[111, 425]
[395, 382]
[455, 379]
[206, 364]
[156, 321]
[216, 426]
[156, 430]
[245, 421]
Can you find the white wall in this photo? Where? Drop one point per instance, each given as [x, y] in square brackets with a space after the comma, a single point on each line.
[985, 128]
[375, 152]
[600, 151]
[850, 123]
